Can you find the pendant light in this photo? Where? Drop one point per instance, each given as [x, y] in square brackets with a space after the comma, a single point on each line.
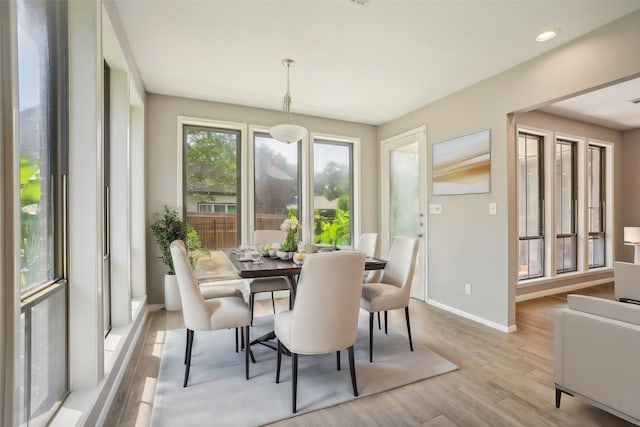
[287, 132]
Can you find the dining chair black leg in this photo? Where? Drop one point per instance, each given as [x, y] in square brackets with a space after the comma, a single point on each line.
[241, 339]
[187, 368]
[338, 359]
[186, 347]
[252, 300]
[371, 337]
[294, 382]
[247, 351]
[352, 368]
[278, 361]
[379, 327]
[273, 303]
[406, 315]
[386, 332]
[236, 340]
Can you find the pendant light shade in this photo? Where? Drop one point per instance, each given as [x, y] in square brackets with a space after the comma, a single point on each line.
[287, 132]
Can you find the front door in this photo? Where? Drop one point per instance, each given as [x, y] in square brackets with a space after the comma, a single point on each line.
[403, 197]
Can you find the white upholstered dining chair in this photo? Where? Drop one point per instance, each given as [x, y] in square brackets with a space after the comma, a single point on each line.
[213, 291]
[368, 245]
[324, 318]
[266, 284]
[393, 290]
[206, 315]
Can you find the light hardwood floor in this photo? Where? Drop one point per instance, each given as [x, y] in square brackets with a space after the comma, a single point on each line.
[503, 380]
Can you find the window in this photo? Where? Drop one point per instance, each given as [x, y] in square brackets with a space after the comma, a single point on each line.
[530, 205]
[332, 192]
[566, 204]
[276, 181]
[596, 204]
[212, 182]
[42, 84]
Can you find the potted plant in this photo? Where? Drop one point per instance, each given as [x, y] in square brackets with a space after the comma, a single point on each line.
[165, 229]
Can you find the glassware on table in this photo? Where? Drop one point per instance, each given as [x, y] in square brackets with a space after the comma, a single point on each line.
[256, 257]
[256, 253]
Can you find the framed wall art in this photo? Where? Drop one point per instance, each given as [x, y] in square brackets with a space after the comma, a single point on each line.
[462, 165]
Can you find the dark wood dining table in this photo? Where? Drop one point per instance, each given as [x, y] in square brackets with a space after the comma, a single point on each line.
[275, 267]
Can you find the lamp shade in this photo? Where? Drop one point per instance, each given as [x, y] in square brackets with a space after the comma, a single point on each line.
[288, 133]
[632, 235]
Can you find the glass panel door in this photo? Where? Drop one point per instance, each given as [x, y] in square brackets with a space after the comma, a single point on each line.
[403, 195]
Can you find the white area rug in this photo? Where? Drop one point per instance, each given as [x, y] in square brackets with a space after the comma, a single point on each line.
[218, 393]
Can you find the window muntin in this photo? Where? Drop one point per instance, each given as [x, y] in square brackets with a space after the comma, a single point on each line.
[212, 177]
[566, 205]
[596, 205]
[332, 192]
[531, 205]
[276, 192]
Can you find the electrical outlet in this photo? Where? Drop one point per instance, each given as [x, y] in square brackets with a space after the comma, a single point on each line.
[467, 288]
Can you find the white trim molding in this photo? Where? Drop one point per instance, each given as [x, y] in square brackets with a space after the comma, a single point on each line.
[481, 320]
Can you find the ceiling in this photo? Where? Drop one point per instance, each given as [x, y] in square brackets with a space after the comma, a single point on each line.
[368, 64]
[615, 107]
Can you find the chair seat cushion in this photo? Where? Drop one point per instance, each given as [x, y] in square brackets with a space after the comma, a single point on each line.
[381, 296]
[213, 291]
[228, 312]
[268, 284]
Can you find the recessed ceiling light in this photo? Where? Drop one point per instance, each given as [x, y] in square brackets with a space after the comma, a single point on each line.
[547, 35]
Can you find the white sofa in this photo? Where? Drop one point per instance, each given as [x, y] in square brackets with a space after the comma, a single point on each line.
[597, 354]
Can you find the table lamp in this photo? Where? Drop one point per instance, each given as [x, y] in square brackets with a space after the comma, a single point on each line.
[632, 238]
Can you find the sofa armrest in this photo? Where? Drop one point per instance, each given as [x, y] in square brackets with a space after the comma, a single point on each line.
[629, 313]
[597, 357]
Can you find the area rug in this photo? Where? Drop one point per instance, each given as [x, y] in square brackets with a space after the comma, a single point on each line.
[218, 393]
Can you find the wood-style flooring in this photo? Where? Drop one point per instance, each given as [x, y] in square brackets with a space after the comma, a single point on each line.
[503, 380]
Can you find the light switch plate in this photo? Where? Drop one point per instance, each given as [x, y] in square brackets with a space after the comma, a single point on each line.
[435, 209]
[493, 209]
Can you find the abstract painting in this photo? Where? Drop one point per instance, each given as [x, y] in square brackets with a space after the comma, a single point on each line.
[462, 165]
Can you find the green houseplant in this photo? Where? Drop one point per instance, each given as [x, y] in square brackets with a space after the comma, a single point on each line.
[165, 229]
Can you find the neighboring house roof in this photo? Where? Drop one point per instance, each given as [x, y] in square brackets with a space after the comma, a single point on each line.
[321, 202]
[277, 173]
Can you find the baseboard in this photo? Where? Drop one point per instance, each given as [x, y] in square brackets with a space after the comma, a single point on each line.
[494, 325]
[155, 307]
[560, 290]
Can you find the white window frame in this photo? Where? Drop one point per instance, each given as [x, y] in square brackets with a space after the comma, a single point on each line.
[355, 216]
[243, 197]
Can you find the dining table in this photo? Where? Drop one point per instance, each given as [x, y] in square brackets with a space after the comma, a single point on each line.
[245, 268]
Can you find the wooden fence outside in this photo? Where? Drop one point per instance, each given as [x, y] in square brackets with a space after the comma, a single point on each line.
[220, 230]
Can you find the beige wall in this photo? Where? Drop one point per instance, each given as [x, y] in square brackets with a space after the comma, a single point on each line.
[630, 200]
[549, 122]
[161, 165]
[465, 244]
